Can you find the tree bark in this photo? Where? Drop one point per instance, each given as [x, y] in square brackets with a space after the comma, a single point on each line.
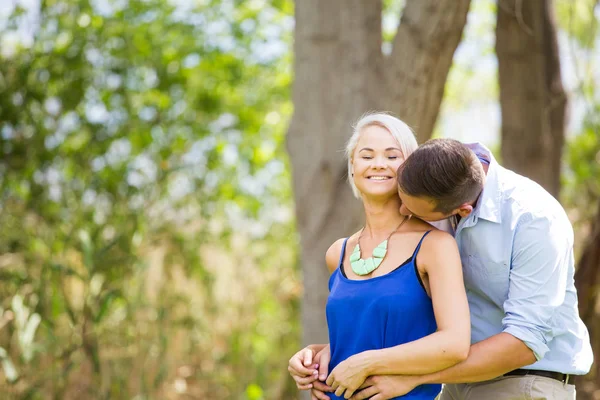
[341, 73]
[418, 67]
[587, 281]
[532, 97]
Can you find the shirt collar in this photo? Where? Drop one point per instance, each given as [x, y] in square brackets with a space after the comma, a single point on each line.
[488, 204]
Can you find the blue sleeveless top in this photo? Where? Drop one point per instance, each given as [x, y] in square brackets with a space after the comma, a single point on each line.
[380, 312]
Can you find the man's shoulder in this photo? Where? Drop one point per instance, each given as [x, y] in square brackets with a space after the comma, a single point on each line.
[522, 197]
[528, 207]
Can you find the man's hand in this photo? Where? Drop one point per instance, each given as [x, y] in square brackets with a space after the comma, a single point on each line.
[348, 376]
[383, 387]
[318, 391]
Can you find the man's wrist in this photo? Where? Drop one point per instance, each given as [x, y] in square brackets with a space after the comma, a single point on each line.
[427, 379]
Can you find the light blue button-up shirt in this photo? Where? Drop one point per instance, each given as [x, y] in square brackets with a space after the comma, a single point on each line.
[517, 254]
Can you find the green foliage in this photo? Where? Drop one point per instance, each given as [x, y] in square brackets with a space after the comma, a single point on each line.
[147, 245]
[392, 11]
[579, 20]
[582, 183]
[140, 140]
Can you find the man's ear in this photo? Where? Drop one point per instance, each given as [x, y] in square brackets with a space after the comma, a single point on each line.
[464, 210]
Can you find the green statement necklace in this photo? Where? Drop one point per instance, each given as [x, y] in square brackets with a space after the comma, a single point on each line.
[365, 267]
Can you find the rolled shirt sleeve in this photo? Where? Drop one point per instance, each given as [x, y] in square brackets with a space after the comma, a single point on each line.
[538, 279]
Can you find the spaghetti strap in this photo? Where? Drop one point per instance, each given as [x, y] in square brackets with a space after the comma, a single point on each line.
[419, 246]
[343, 252]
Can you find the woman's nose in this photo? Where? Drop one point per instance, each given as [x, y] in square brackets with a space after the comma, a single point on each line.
[380, 162]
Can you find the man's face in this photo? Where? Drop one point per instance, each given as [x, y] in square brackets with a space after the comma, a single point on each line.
[420, 207]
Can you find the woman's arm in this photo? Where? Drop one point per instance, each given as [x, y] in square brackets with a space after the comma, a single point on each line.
[301, 366]
[449, 345]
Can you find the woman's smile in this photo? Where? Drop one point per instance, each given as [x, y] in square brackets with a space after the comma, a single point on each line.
[375, 161]
[379, 178]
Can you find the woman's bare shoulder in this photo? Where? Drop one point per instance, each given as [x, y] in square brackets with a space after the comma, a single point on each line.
[438, 248]
[332, 256]
[440, 238]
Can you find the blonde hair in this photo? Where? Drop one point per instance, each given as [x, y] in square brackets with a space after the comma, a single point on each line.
[398, 129]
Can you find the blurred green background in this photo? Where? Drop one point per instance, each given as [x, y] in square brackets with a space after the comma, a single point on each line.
[148, 247]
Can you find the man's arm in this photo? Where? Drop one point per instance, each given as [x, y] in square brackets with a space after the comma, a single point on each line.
[541, 255]
[487, 359]
[540, 261]
[538, 278]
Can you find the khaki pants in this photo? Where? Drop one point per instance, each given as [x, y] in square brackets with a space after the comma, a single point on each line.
[510, 388]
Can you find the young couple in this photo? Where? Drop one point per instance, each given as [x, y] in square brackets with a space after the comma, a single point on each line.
[491, 312]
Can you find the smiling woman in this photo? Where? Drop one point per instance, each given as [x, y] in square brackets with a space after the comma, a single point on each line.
[375, 161]
[392, 139]
[400, 269]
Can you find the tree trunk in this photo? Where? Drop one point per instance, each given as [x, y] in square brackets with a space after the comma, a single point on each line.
[587, 281]
[341, 73]
[418, 67]
[532, 97]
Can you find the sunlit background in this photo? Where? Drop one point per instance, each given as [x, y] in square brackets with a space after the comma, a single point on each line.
[148, 247]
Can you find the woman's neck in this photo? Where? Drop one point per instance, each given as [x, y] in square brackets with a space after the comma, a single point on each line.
[381, 217]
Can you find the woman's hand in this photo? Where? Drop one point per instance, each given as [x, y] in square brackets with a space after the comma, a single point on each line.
[348, 375]
[304, 365]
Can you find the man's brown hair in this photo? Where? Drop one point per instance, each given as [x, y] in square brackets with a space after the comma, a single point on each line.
[443, 170]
